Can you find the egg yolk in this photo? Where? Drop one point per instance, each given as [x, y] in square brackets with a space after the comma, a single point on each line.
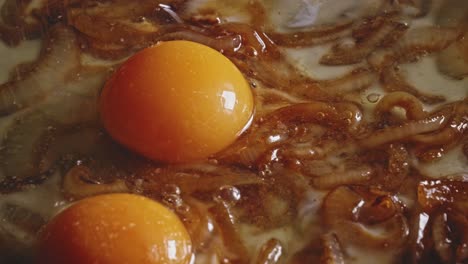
[115, 228]
[176, 101]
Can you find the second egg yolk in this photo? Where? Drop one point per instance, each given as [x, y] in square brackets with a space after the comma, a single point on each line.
[176, 101]
[115, 228]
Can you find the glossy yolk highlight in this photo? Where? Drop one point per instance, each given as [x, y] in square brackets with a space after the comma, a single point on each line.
[176, 101]
[115, 228]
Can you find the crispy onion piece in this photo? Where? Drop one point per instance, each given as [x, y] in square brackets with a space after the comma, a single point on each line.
[394, 81]
[59, 57]
[75, 184]
[404, 131]
[332, 251]
[413, 107]
[358, 52]
[453, 61]
[352, 216]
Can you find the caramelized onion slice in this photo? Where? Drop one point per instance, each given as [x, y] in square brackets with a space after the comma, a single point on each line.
[357, 53]
[333, 252]
[343, 213]
[76, 186]
[452, 133]
[271, 252]
[416, 42]
[443, 193]
[413, 107]
[404, 131]
[59, 57]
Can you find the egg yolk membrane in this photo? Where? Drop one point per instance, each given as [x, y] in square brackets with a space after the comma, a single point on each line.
[115, 228]
[176, 101]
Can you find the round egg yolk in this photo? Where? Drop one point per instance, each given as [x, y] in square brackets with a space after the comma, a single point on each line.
[115, 228]
[176, 101]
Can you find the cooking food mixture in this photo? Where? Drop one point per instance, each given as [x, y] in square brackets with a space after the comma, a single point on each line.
[352, 149]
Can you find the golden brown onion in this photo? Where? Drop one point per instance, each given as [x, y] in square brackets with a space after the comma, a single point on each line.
[76, 186]
[413, 107]
[343, 213]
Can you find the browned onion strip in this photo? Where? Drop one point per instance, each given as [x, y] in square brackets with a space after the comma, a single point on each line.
[229, 231]
[271, 252]
[355, 81]
[332, 251]
[355, 54]
[416, 42]
[413, 107]
[452, 132]
[402, 132]
[315, 36]
[10, 35]
[59, 57]
[227, 44]
[394, 81]
[192, 181]
[351, 176]
[107, 51]
[113, 31]
[398, 166]
[339, 212]
[441, 238]
[443, 194]
[75, 186]
[459, 221]
[254, 42]
[318, 112]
